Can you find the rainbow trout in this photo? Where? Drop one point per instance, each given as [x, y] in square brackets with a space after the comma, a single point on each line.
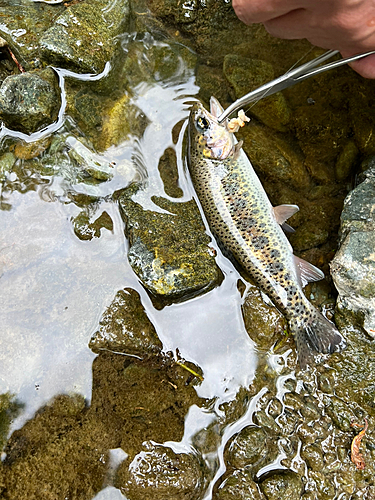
[242, 218]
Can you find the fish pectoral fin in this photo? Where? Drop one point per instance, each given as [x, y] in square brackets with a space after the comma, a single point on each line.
[283, 212]
[307, 272]
[236, 150]
[216, 109]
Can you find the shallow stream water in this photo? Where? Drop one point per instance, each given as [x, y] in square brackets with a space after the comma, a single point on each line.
[55, 286]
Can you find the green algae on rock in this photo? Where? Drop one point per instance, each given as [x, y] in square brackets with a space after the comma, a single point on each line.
[125, 327]
[120, 120]
[86, 230]
[9, 408]
[273, 157]
[30, 101]
[141, 400]
[58, 438]
[238, 485]
[287, 486]
[169, 248]
[158, 473]
[6, 163]
[169, 173]
[23, 31]
[82, 40]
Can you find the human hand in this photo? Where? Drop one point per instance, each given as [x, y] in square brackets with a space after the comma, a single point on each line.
[344, 25]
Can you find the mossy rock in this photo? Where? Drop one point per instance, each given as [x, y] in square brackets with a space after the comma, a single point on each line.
[125, 327]
[169, 249]
[245, 75]
[30, 101]
[82, 40]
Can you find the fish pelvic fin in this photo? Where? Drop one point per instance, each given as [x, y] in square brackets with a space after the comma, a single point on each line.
[307, 272]
[315, 334]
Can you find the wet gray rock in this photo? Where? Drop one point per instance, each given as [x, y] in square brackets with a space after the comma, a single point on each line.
[169, 249]
[125, 327]
[30, 101]
[353, 268]
[161, 474]
[83, 40]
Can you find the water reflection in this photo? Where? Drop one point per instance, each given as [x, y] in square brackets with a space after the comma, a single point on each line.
[55, 286]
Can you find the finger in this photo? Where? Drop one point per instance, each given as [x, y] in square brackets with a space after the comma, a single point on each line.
[365, 67]
[259, 11]
[293, 25]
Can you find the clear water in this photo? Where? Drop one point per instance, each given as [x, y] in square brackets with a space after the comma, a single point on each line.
[54, 286]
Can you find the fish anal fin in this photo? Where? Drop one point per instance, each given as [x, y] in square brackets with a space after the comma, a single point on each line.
[307, 272]
[283, 212]
[216, 109]
[287, 228]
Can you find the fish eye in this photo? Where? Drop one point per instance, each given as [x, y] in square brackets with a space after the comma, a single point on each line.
[202, 123]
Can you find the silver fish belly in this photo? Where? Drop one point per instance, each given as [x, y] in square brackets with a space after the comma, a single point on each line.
[242, 218]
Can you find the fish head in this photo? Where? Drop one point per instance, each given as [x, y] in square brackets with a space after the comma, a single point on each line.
[210, 138]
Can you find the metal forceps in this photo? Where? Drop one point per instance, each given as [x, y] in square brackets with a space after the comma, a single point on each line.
[290, 78]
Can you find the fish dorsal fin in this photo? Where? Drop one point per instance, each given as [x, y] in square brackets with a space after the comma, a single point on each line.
[216, 109]
[307, 272]
[283, 212]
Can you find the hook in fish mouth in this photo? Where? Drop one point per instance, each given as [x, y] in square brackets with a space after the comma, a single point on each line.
[215, 141]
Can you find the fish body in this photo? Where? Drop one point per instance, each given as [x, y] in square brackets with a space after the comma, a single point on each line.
[242, 218]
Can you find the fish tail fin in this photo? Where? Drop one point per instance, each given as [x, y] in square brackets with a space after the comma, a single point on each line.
[315, 334]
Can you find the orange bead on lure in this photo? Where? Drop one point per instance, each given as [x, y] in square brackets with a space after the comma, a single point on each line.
[242, 218]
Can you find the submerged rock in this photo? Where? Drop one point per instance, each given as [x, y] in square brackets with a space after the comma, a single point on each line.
[30, 101]
[169, 248]
[159, 473]
[286, 486]
[353, 268]
[98, 166]
[238, 485]
[141, 400]
[6, 163]
[273, 157]
[125, 327]
[248, 448]
[263, 322]
[246, 74]
[83, 37]
[87, 230]
[58, 438]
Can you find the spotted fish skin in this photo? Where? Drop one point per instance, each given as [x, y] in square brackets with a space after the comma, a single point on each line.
[242, 218]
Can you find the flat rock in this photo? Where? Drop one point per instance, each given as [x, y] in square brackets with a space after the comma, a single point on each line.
[125, 327]
[353, 268]
[169, 248]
